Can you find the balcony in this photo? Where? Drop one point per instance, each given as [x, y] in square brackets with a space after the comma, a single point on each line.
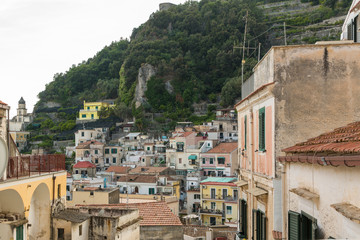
[26, 166]
[212, 211]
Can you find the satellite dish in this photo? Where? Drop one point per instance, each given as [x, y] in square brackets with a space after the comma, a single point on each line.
[3, 156]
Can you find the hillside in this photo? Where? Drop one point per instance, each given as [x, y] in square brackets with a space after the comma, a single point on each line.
[185, 56]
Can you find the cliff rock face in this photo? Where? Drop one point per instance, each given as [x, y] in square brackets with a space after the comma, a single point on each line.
[145, 73]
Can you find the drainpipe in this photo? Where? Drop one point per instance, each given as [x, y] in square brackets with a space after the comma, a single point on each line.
[252, 152]
[52, 208]
[284, 200]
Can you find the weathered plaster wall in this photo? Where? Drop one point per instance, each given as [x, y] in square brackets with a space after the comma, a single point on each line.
[85, 230]
[333, 185]
[66, 225]
[161, 232]
[316, 90]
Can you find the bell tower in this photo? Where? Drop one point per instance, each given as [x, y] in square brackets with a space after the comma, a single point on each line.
[21, 110]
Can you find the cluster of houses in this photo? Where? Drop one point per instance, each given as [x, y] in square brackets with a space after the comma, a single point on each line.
[284, 165]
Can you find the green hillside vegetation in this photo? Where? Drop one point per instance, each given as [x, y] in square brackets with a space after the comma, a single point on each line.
[192, 46]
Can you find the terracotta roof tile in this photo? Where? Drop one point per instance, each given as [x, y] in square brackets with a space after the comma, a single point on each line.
[1, 102]
[138, 178]
[152, 213]
[84, 164]
[148, 170]
[341, 140]
[224, 148]
[118, 169]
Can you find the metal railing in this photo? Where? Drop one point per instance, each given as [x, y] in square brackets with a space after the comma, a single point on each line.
[23, 166]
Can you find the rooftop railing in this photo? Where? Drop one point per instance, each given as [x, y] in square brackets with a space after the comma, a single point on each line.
[26, 166]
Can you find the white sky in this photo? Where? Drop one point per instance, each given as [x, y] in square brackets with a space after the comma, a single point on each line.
[39, 38]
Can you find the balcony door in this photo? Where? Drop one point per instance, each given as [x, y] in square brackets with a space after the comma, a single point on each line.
[213, 195]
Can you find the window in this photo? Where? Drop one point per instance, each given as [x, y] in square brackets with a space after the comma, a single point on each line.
[213, 205]
[59, 190]
[234, 128]
[107, 160]
[259, 219]
[83, 115]
[301, 226]
[243, 218]
[82, 133]
[76, 171]
[96, 107]
[151, 191]
[96, 160]
[180, 160]
[88, 108]
[245, 131]
[114, 160]
[19, 232]
[221, 160]
[80, 230]
[196, 196]
[96, 151]
[208, 144]
[262, 129]
[211, 160]
[92, 116]
[180, 147]
[225, 193]
[60, 234]
[107, 151]
[203, 160]
[91, 193]
[212, 193]
[148, 148]
[114, 150]
[67, 187]
[228, 210]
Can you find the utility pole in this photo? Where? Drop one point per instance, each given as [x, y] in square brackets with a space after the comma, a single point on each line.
[243, 55]
[259, 52]
[285, 33]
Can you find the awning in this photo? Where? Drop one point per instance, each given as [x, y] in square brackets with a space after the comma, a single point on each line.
[257, 191]
[302, 192]
[241, 183]
[348, 210]
[192, 157]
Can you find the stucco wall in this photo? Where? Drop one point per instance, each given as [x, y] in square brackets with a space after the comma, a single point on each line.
[333, 185]
[316, 90]
[85, 230]
[161, 232]
[66, 225]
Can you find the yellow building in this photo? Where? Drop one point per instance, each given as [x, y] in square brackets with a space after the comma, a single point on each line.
[219, 201]
[91, 110]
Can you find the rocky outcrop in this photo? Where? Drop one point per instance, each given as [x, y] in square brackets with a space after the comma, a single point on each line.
[145, 73]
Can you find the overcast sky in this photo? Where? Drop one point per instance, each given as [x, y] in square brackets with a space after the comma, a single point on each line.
[39, 38]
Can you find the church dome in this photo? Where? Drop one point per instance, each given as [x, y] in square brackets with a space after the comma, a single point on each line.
[21, 101]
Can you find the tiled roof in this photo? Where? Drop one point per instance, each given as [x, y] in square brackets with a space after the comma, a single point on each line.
[72, 216]
[84, 164]
[138, 178]
[152, 213]
[224, 148]
[118, 169]
[147, 170]
[86, 145]
[185, 134]
[156, 214]
[341, 140]
[1, 102]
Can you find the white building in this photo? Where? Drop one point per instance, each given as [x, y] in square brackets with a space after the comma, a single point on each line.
[351, 26]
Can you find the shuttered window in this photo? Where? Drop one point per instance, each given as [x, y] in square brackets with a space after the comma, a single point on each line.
[294, 225]
[259, 221]
[262, 129]
[243, 218]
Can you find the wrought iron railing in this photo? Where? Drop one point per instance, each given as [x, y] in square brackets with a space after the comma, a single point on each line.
[22, 166]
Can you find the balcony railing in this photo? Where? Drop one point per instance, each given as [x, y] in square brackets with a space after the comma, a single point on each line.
[23, 166]
[219, 197]
[212, 211]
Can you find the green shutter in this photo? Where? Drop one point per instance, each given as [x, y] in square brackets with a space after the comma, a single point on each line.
[262, 129]
[245, 131]
[243, 227]
[263, 226]
[294, 225]
[20, 232]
